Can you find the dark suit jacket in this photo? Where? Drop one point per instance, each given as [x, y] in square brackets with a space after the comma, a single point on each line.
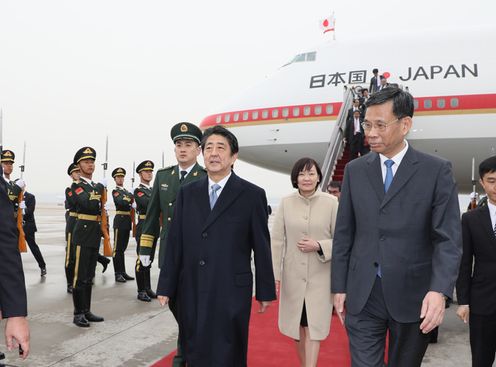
[350, 129]
[29, 221]
[373, 85]
[477, 288]
[208, 269]
[12, 288]
[413, 232]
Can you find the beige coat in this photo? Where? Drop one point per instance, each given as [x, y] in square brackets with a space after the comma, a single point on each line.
[304, 276]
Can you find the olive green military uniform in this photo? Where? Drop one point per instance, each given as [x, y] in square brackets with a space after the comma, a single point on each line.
[122, 226]
[13, 190]
[162, 200]
[86, 236]
[161, 205]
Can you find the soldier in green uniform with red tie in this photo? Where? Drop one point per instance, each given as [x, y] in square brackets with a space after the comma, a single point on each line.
[86, 235]
[187, 138]
[142, 196]
[70, 222]
[123, 201]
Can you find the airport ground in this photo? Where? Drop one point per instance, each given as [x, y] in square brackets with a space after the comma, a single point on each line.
[134, 333]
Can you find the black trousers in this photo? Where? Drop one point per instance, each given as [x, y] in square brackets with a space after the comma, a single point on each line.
[121, 240]
[70, 257]
[482, 339]
[33, 246]
[84, 272]
[143, 272]
[367, 335]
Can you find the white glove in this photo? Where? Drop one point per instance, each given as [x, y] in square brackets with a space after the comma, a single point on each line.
[22, 205]
[473, 195]
[20, 182]
[106, 206]
[145, 260]
[133, 205]
[103, 181]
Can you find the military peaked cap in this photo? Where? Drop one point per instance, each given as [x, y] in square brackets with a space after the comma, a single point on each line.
[72, 167]
[145, 166]
[84, 153]
[8, 156]
[119, 171]
[186, 130]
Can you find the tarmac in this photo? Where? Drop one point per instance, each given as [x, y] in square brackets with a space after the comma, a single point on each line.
[134, 333]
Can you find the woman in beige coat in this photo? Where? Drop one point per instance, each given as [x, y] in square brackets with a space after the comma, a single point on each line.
[301, 250]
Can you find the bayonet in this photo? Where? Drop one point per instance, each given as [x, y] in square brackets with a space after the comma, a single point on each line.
[1, 130]
[163, 160]
[105, 164]
[134, 171]
[23, 165]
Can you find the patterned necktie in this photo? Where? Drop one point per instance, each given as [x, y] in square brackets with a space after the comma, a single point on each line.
[494, 229]
[183, 174]
[389, 174]
[213, 195]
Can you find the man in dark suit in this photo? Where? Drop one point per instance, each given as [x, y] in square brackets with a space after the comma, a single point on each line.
[476, 289]
[355, 135]
[13, 302]
[397, 244]
[374, 81]
[29, 226]
[355, 107]
[218, 221]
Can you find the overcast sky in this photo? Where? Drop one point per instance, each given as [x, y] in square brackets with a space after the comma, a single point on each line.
[72, 72]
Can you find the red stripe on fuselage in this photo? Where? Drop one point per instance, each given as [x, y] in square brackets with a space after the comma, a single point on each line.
[321, 111]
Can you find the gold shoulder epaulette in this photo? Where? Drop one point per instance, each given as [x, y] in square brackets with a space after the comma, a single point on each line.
[166, 168]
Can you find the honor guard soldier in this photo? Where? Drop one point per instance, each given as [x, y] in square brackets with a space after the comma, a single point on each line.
[14, 188]
[86, 235]
[70, 222]
[123, 201]
[187, 138]
[142, 196]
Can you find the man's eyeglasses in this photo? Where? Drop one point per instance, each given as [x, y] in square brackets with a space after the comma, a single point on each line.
[380, 126]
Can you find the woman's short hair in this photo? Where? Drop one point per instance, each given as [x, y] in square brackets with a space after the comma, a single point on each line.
[304, 164]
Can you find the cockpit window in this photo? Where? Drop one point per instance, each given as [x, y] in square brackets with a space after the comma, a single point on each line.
[309, 56]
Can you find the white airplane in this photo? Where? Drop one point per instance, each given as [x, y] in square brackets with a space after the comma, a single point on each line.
[452, 77]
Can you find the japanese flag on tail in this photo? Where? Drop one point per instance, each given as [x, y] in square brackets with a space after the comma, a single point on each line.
[328, 24]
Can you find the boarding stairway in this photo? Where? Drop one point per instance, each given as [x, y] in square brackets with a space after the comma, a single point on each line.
[338, 152]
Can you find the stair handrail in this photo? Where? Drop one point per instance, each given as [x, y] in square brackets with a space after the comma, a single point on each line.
[336, 142]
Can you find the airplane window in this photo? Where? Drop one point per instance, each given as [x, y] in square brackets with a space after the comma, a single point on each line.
[454, 102]
[441, 103]
[265, 114]
[311, 56]
[285, 112]
[275, 113]
[227, 118]
[415, 104]
[254, 115]
[236, 117]
[306, 110]
[218, 119]
[299, 58]
[296, 111]
[245, 116]
[427, 103]
[318, 110]
[329, 109]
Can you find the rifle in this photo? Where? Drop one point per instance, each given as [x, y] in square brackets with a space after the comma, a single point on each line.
[473, 201]
[20, 198]
[107, 249]
[133, 211]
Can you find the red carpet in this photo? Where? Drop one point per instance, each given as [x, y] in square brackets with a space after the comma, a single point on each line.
[267, 347]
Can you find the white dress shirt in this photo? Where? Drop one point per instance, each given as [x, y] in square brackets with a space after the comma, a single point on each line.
[397, 161]
[221, 183]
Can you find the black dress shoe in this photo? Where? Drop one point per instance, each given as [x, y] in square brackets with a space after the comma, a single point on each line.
[142, 296]
[151, 293]
[127, 277]
[120, 278]
[105, 264]
[69, 288]
[91, 317]
[80, 320]
[43, 272]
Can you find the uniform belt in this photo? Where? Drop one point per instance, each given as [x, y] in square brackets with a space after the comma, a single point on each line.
[142, 216]
[121, 212]
[94, 218]
[73, 214]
